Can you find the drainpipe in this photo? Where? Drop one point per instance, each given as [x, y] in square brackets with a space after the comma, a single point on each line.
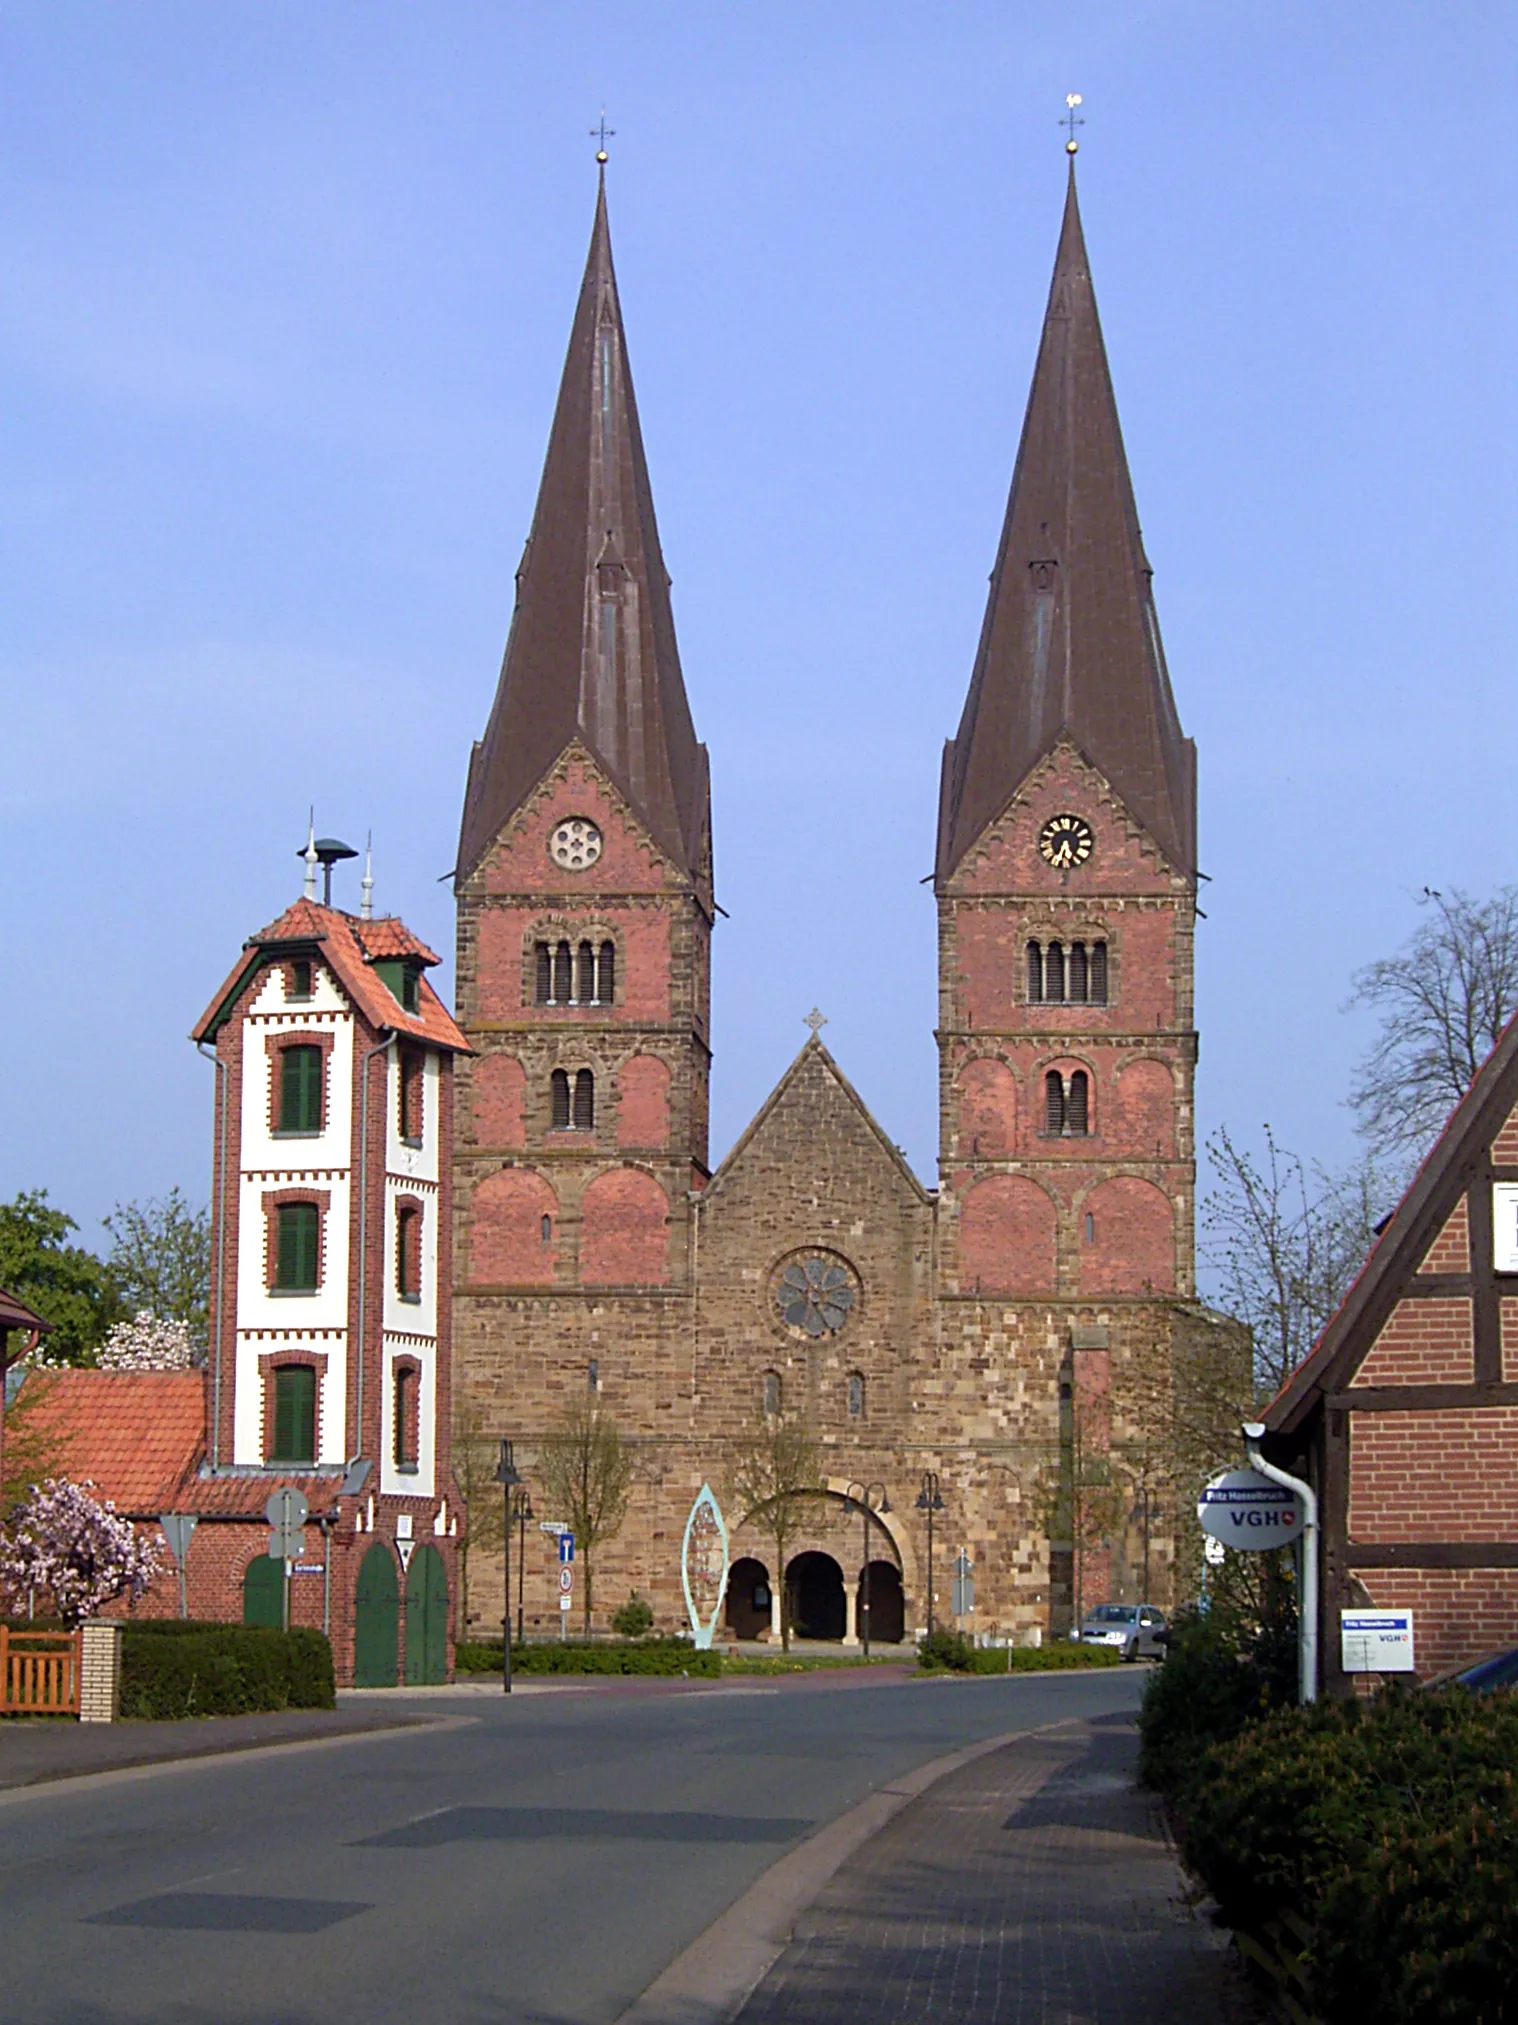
[1307, 1617]
[221, 1246]
[384, 1047]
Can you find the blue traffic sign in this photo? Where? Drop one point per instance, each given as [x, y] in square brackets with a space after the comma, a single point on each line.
[566, 1546]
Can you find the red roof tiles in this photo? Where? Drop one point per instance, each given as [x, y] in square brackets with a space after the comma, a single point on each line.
[136, 1435]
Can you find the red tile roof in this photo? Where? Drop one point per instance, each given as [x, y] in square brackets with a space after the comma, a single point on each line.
[246, 1497]
[136, 1435]
[349, 947]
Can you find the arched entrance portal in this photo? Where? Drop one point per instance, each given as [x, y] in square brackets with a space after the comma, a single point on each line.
[815, 1582]
[426, 1619]
[748, 1598]
[376, 1619]
[263, 1583]
[888, 1610]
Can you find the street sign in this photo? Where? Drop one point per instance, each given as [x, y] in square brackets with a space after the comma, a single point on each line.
[552, 1526]
[566, 1579]
[286, 1510]
[1376, 1641]
[962, 1589]
[566, 1546]
[308, 1568]
[286, 1546]
[1245, 1510]
[565, 1602]
[177, 1528]
[405, 1548]
[1213, 1552]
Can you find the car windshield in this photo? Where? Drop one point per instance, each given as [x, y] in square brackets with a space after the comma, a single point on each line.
[1113, 1613]
[1492, 1673]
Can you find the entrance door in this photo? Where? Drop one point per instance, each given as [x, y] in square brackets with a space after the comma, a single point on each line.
[262, 1584]
[376, 1619]
[888, 1614]
[817, 1605]
[426, 1619]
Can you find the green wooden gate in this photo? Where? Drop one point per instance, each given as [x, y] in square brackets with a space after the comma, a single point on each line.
[376, 1619]
[426, 1619]
[262, 1591]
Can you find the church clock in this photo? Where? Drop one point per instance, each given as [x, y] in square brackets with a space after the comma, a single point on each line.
[1065, 841]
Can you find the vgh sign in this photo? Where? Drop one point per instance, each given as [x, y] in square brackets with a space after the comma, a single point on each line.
[1248, 1511]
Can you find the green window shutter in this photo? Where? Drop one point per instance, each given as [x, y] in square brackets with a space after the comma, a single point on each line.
[299, 1242]
[300, 1090]
[294, 1414]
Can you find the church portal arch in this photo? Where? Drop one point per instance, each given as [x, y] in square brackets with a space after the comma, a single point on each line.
[817, 1606]
[888, 1604]
[747, 1610]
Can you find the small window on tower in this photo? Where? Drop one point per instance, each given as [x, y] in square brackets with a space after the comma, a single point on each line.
[1054, 973]
[771, 1393]
[297, 1248]
[606, 976]
[563, 975]
[1098, 973]
[300, 978]
[1075, 1115]
[546, 1230]
[294, 1415]
[558, 1093]
[542, 973]
[1090, 1228]
[1035, 974]
[405, 1435]
[410, 1081]
[1077, 973]
[408, 1252]
[585, 1100]
[585, 959]
[856, 1396]
[1054, 1103]
[300, 1090]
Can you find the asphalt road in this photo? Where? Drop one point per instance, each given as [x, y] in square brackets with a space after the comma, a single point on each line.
[538, 1862]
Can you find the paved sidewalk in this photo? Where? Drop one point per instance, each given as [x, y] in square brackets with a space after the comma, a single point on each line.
[1033, 1887]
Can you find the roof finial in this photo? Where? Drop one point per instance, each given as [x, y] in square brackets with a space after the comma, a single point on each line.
[1070, 122]
[816, 1021]
[308, 891]
[601, 135]
[366, 884]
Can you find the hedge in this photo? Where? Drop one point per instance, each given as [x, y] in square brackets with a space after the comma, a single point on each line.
[172, 1668]
[952, 1652]
[642, 1656]
[1368, 1854]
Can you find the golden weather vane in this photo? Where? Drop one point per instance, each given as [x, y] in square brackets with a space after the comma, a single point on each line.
[601, 135]
[1072, 100]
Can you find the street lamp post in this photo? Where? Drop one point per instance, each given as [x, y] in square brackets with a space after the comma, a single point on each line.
[506, 1476]
[521, 1506]
[871, 1499]
[929, 1501]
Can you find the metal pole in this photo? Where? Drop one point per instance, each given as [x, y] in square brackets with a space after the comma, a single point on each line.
[1307, 1615]
[930, 1571]
[865, 1592]
[506, 1619]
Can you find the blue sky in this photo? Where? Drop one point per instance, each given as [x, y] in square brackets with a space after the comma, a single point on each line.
[284, 290]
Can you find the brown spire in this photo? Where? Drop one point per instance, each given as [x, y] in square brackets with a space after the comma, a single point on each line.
[1071, 643]
[592, 653]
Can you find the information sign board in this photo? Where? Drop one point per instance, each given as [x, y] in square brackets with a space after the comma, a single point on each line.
[1376, 1641]
[1245, 1510]
[566, 1546]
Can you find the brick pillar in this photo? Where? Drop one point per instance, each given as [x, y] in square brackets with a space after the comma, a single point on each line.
[99, 1672]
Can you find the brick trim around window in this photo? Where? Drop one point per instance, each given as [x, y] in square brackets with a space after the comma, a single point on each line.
[298, 1037]
[321, 1200]
[269, 1362]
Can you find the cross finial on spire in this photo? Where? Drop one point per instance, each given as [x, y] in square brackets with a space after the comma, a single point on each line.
[816, 1021]
[601, 135]
[1070, 122]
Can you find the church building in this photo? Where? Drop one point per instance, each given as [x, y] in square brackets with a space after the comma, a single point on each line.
[1008, 1331]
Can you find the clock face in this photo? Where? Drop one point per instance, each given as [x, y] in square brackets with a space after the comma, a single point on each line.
[575, 844]
[1065, 841]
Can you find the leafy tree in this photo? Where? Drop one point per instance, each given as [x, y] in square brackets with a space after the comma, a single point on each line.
[774, 1471]
[587, 1475]
[1285, 1242]
[1444, 999]
[161, 1258]
[33, 1449]
[482, 1523]
[67, 1285]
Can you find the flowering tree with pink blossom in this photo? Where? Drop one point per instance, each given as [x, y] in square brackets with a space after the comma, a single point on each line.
[78, 1550]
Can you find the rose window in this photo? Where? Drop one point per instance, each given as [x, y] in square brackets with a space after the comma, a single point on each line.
[815, 1295]
[575, 844]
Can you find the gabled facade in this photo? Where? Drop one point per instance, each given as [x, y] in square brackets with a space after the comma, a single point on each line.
[1405, 1416]
[988, 1330]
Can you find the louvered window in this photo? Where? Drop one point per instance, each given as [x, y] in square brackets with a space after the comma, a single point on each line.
[409, 1079]
[1098, 973]
[1077, 973]
[559, 1100]
[1075, 1112]
[1035, 974]
[585, 991]
[405, 1450]
[1054, 973]
[606, 977]
[563, 975]
[543, 971]
[297, 1250]
[300, 1090]
[294, 1414]
[585, 1100]
[408, 1253]
[1054, 1104]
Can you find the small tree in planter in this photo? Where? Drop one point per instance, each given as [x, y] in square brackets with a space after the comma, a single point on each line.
[79, 1551]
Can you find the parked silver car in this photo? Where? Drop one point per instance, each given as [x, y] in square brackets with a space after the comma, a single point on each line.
[1137, 1629]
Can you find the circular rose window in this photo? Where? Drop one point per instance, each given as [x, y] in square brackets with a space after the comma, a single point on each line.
[815, 1295]
[575, 844]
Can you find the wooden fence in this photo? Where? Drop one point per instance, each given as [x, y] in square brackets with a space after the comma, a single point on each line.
[39, 1672]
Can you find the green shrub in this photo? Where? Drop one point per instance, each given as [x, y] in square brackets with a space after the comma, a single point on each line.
[667, 1656]
[1383, 1836]
[171, 1669]
[951, 1651]
[943, 1648]
[1220, 1672]
[634, 1618]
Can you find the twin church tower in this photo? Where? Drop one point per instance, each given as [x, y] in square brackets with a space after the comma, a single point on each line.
[1010, 1330]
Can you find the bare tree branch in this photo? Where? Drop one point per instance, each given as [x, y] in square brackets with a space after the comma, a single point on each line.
[773, 1472]
[587, 1474]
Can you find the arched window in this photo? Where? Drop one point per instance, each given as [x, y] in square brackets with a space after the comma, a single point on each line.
[856, 1396]
[1054, 1104]
[593, 1375]
[772, 1392]
[585, 1100]
[405, 1422]
[1054, 973]
[1077, 979]
[586, 991]
[1098, 974]
[1035, 974]
[546, 1231]
[1090, 1228]
[563, 976]
[543, 964]
[558, 1087]
[1076, 1108]
[606, 976]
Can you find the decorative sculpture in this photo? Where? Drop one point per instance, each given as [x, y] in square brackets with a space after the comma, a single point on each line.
[704, 1566]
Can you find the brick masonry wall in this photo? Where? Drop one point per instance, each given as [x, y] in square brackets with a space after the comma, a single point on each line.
[1446, 1476]
[1459, 1614]
[1426, 1342]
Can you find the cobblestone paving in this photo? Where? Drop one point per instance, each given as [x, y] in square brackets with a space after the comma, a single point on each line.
[1034, 1887]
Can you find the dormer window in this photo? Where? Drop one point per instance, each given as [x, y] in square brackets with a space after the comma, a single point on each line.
[299, 986]
[403, 977]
